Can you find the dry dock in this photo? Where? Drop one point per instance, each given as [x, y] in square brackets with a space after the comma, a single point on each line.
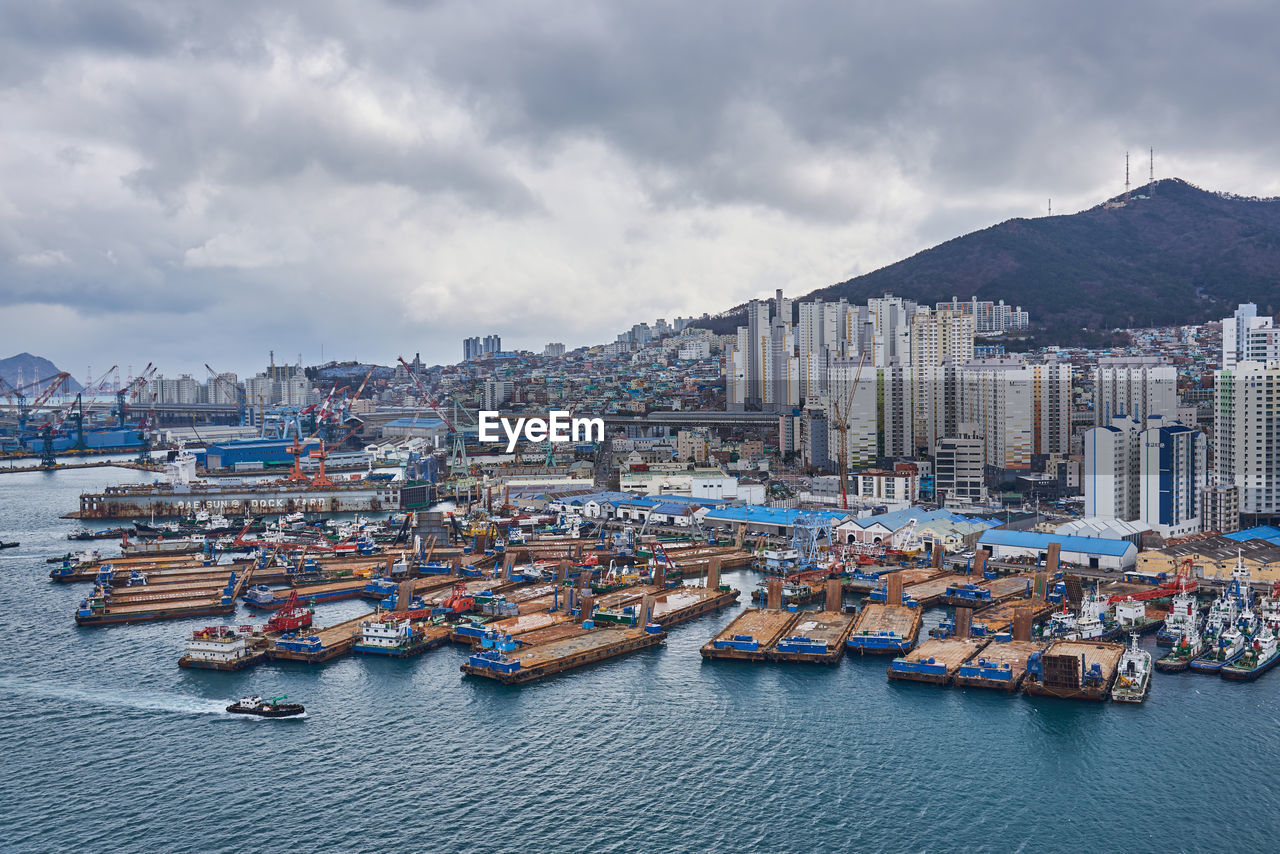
[885, 629]
[936, 660]
[547, 659]
[1002, 666]
[816, 636]
[1082, 670]
[750, 634]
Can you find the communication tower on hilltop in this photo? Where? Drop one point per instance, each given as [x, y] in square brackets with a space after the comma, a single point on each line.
[1126, 176]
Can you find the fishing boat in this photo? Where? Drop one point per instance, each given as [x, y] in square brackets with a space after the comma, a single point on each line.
[1133, 676]
[1262, 654]
[261, 708]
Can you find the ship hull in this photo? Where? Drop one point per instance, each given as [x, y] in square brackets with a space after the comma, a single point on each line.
[1237, 674]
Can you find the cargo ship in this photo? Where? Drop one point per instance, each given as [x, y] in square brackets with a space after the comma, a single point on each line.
[180, 494]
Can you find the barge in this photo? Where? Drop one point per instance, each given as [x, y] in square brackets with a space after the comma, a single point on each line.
[1081, 670]
[750, 634]
[815, 636]
[1002, 665]
[510, 666]
[936, 660]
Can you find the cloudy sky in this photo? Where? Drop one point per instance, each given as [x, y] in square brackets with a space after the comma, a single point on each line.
[203, 182]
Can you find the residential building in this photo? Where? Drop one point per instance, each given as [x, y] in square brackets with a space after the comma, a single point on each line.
[1137, 386]
[1246, 433]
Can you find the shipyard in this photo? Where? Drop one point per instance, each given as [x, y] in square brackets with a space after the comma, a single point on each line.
[531, 427]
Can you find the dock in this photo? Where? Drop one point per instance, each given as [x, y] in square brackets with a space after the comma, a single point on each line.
[815, 636]
[936, 660]
[547, 659]
[1080, 670]
[1001, 665]
[749, 635]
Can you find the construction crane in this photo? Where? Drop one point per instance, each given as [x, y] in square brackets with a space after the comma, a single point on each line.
[841, 406]
[233, 392]
[458, 449]
[132, 389]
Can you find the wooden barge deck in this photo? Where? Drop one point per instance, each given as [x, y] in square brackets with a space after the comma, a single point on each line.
[1064, 664]
[814, 636]
[928, 593]
[749, 635]
[547, 659]
[980, 594]
[936, 660]
[999, 618]
[333, 642]
[681, 604]
[1001, 666]
[885, 629]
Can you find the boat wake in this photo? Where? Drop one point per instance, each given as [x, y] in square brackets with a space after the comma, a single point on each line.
[174, 703]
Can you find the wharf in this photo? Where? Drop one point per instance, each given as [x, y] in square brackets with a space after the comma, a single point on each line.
[317, 645]
[936, 660]
[547, 659]
[816, 636]
[978, 594]
[884, 629]
[928, 593]
[999, 618]
[1063, 669]
[681, 604]
[749, 635]
[1001, 666]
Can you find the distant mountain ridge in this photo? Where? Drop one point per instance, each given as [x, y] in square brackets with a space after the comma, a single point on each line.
[32, 368]
[1170, 254]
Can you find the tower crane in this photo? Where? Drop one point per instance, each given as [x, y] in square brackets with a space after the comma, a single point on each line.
[234, 392]
[458, 449]
[841, 405]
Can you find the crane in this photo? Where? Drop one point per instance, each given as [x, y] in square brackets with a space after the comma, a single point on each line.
[233, 392]
[458, 450]
[841, 405]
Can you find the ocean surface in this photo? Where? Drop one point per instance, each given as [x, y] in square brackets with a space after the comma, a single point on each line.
[108, 745]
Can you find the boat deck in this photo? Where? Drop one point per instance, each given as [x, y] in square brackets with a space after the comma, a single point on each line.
[815, 636]
[525, 623]
[335, 640]
[681, 604]
[328, 590]
[936, 660]
[999, 618]
[882, 629]
[547, 659]
[1002, 666]
[1106, 655]
[141, 594]
[749, 635]
[929, 592]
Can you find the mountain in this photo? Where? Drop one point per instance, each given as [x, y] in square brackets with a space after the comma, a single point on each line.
[1171, 254]
[32, 368]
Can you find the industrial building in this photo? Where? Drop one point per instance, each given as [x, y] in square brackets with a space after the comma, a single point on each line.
[1093, 552]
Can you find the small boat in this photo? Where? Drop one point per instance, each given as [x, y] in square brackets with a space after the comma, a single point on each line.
[9, 545]
[261, 708]
[1133, 677]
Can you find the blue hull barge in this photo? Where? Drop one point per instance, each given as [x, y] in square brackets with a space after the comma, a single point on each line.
[885, 629]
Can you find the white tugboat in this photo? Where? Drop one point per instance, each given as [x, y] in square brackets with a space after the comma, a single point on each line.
[1133, 676]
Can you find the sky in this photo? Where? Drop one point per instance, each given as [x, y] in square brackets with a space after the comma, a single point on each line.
[190, 182]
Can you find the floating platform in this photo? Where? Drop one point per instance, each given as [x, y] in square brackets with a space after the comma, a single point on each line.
[749, 635]
[517, 627]
[1064, 669]
[936, 660]
[1001, 666]
[930, 592]
[547, 659]
[681, 604]
[317, 645]
[885, 629]
[308, 594]
[999, 618]
[815, 636]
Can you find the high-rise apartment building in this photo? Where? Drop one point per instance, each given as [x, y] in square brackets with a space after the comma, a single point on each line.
[1246, 432]
[1235, 333]
[1136, 386]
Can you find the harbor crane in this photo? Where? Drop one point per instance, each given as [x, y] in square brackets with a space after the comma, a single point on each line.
[233, 392]
[458, 448]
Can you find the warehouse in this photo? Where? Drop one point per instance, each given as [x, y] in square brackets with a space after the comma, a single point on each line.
[1093, 552]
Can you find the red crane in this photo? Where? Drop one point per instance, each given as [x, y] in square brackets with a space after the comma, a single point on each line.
[291, 615]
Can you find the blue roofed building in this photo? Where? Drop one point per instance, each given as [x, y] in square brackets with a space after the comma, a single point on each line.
[1092, 552]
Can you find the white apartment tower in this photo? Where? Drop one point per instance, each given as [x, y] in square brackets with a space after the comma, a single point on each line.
[1246, 432]
[1139, 387]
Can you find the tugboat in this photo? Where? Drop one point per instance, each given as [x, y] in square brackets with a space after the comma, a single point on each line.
[1259, 657]
[13, 545]
[272, 708]
[1186, 648]
[1133, 678]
